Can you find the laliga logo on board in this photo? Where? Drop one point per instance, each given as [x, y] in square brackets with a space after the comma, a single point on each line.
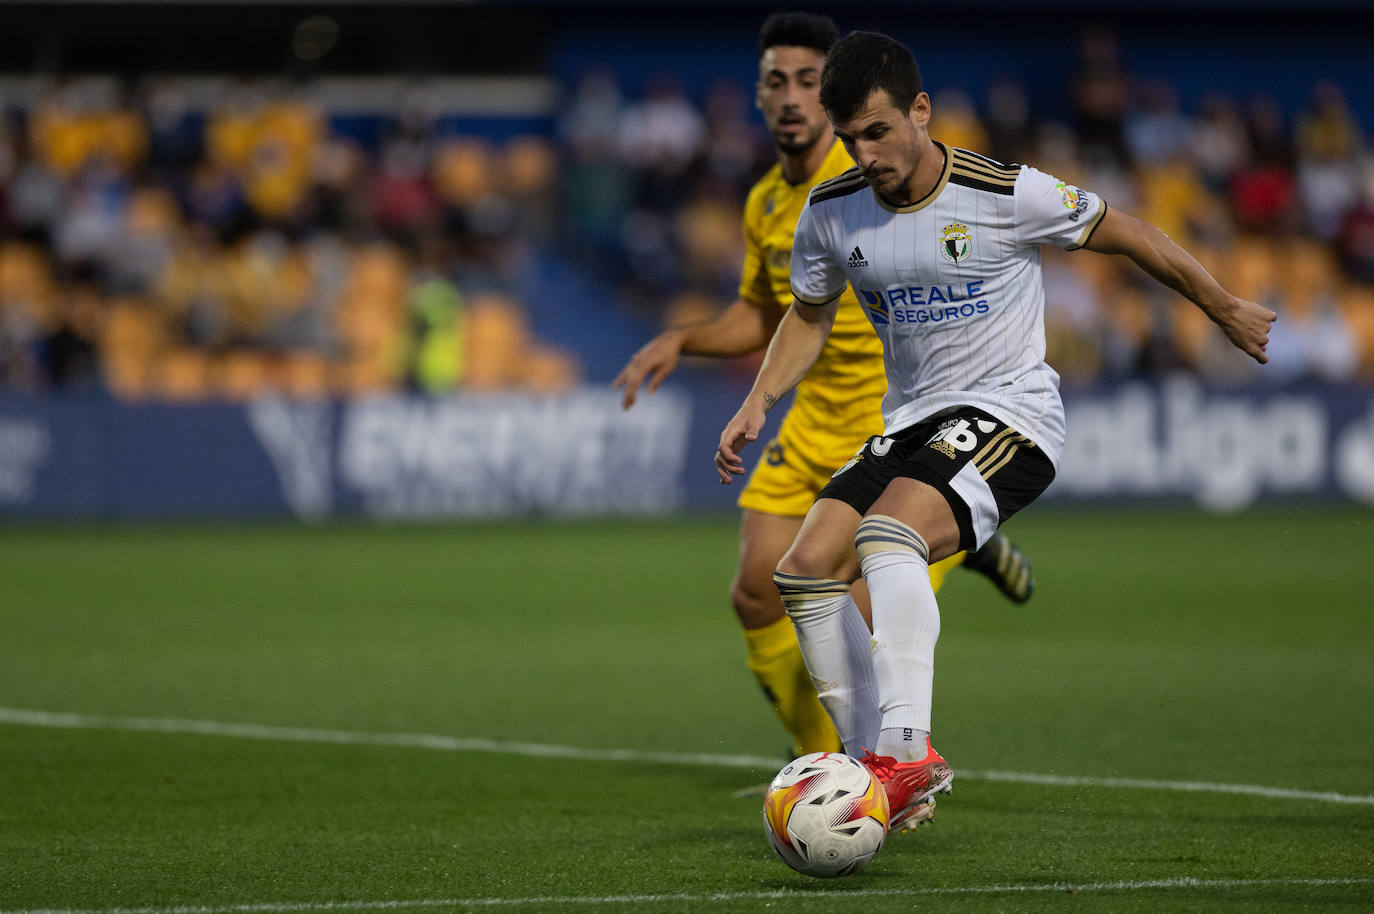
[956, 242]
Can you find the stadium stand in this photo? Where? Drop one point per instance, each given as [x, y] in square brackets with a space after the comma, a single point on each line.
[185, 238]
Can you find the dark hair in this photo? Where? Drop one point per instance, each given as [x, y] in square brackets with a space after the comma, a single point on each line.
[861, 63]
[801, 30]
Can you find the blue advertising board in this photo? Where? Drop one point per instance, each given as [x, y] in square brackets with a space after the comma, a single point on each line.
[580, 454]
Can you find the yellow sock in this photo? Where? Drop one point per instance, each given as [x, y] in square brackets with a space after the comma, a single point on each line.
[777, 664]
[944, 567]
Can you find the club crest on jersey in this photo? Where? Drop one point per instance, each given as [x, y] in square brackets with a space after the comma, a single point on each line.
[956, 242]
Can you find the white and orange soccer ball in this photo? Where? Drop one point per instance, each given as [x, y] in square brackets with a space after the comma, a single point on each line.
[825, 814]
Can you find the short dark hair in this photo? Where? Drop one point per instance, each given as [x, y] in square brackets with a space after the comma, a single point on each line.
[800, 30]
[861, 63]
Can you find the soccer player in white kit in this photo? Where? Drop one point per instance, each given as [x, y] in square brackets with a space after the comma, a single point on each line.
[941, 246]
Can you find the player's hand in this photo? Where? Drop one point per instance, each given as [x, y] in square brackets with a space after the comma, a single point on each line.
[744, 428]
[1246, 325]
[655, 360]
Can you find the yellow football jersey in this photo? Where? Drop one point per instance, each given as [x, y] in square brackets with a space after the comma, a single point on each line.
[838, 403]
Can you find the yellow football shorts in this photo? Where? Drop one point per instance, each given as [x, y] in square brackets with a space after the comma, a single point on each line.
[793, 467]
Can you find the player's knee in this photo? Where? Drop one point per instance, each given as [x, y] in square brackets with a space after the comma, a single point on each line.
[805, 563]
[756, 602]
[812, 574]
[809, 597]
[878, 534]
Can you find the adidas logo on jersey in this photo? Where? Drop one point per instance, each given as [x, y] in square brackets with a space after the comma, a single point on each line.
[856, 259]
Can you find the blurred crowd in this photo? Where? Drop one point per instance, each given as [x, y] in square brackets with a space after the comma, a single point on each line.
[158, 251]
[161, 249]
[1278, 205]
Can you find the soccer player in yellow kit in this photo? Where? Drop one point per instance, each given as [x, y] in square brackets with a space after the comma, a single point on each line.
[838, 405]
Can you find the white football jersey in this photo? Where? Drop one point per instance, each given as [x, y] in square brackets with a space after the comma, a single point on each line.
[952, 284]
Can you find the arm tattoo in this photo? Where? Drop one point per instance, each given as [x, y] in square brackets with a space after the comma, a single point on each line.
[769, 401]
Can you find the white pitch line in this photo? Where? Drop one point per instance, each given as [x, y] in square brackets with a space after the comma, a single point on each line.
[62, 720]
[1183, 882]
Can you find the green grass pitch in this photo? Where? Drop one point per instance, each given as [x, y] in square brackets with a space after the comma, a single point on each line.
[1165, 645]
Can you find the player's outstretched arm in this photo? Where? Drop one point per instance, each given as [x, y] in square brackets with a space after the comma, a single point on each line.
[738, 330]
[795, 347]
[1245, 323]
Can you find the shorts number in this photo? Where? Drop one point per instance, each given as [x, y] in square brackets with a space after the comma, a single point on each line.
[958, 435]
[876, 445]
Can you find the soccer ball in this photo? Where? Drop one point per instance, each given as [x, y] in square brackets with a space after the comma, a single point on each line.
[825, 814]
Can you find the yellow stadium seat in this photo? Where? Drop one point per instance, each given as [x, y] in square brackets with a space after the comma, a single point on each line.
[241, 375]
[182, 375]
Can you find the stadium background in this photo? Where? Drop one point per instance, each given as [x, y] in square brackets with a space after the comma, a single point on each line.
[321, 261]
[235, 243]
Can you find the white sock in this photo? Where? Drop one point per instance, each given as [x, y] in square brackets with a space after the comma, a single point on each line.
[834, 641]
[906, 627]
[905, 744]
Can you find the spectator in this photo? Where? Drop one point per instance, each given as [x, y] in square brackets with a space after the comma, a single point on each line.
[1264, 192]
[69, 346]
[1008, 121]
[1098, 95]
[403, 199]
[735, 148]
[1220, 142]
[1354, 242]
[25, 296]
[661, 135]
[597, 184]
[1073, 317]
[1156, 130]
[1328, 174]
